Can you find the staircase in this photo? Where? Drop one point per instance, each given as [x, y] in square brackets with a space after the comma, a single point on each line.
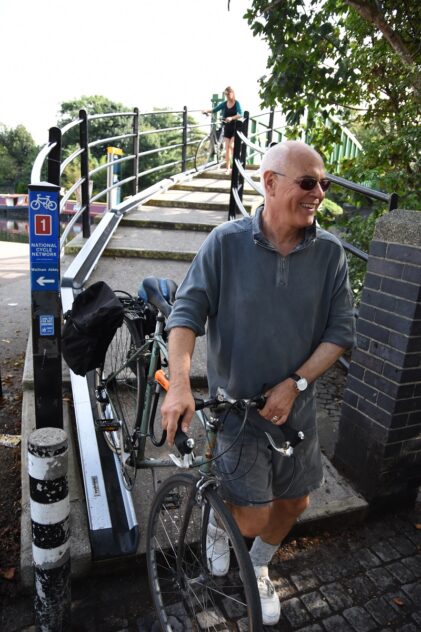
[172, 225]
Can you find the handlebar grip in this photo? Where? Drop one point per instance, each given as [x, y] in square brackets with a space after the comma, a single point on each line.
[183, 442]
[259, 401]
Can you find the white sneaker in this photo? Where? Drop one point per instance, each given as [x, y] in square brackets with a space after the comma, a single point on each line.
[217, 551]
[271, 608]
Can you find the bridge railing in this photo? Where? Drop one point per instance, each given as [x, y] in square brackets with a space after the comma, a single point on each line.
[132, 131]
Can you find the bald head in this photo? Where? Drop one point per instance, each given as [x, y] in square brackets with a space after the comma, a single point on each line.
[278, 157]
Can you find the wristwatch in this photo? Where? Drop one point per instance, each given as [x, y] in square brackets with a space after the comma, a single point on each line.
[300, 382]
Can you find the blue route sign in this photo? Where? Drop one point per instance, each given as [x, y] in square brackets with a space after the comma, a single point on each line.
[44, 239]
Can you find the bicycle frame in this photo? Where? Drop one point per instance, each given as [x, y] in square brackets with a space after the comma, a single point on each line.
[156, 348]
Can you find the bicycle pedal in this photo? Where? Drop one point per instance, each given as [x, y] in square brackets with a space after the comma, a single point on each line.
[107, 425]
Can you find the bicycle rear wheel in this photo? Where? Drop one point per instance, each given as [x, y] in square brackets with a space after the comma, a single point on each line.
[185, 594]
[204, 152]
[122, 400]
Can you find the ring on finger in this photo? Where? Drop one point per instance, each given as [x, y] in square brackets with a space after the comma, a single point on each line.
[274, 419]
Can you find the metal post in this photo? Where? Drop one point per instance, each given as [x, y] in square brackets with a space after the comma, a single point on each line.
[184, 147]
[232, 208]
[54, 157]
[135, 184]
[393, 201]
[269, 135]
[50, 510]
[44, 240]
[84, 172]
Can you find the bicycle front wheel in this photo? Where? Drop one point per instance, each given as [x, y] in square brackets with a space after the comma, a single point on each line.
[204, 152]
[123, 380]
[185, 593]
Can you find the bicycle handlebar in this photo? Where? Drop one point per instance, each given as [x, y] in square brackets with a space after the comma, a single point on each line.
[185, 444]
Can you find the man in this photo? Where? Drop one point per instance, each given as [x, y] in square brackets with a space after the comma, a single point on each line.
[275, 294]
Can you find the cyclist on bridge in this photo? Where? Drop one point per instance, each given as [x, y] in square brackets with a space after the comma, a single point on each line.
[274, 292]
[231, 111]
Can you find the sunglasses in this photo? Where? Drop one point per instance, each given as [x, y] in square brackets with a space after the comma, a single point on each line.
[307, 183]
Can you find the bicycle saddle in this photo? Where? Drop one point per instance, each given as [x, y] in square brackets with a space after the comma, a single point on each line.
[159, 292]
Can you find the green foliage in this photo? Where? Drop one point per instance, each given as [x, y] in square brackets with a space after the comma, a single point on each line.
[17, 153]
[358, 59]
[328, 213]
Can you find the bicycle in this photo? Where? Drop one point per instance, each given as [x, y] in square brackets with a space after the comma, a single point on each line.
[211, 148]
[128, 387]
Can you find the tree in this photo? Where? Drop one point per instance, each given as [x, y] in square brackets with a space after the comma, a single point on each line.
[116, 126]
[355, 58]
[17, 153]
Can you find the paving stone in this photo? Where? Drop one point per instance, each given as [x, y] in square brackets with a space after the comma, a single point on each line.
[336, 596]
[409, 627]
[305, 580]
[403, 545]
[367, 559]
[336, 624]
[294, 611]
[385, 551]
[359, 619]
[414, 564]
[316, 605]
[399, 601]
[362, 587]
[381, 611]
[402, 573]
[327, 572]
[381, 577]
[283, 587]
[312, 628]
[417, 618]
[414, 592]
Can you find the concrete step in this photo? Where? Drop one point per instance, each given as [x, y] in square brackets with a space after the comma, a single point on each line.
[174, 218]
[199, 200]
[221, 174]
[148, 243]
[211, 185]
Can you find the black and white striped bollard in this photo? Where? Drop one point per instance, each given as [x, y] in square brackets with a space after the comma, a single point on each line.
[50, 509]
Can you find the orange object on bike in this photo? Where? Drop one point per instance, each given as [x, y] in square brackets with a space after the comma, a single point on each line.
[162, 379]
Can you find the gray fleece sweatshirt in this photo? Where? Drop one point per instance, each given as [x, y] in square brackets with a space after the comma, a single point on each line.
[266, 313]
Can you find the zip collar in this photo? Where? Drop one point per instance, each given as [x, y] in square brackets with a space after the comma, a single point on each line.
[260, 239]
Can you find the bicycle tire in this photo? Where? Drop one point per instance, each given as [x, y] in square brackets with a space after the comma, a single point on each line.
[204, 152]
[124, 395]
[185, 594]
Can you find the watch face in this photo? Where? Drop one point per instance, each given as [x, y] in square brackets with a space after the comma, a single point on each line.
[302, 384]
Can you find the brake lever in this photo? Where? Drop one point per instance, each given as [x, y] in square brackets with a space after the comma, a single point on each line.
[292, 439]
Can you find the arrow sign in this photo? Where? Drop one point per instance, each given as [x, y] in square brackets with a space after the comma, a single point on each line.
[42, 281]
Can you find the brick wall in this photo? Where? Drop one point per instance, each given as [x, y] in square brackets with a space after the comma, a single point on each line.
[379, 442]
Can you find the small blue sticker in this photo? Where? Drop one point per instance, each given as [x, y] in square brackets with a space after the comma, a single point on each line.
[46, 325]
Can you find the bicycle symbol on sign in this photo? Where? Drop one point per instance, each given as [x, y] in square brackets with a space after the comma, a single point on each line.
[43, 202]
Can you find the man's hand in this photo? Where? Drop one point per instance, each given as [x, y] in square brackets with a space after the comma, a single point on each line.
[280, 400]
[178, 404]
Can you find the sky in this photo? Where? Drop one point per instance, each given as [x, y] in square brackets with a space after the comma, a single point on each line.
[144, 53]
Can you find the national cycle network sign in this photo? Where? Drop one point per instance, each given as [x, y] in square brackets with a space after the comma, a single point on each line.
[44, 237]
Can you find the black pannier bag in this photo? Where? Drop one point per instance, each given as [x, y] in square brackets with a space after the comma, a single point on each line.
[89, 327]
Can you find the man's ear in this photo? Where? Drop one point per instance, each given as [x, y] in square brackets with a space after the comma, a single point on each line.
[269, 178]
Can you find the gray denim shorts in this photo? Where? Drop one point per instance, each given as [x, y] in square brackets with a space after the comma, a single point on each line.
[251, 472]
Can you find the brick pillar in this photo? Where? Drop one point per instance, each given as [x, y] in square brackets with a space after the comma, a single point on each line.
[379, 441]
